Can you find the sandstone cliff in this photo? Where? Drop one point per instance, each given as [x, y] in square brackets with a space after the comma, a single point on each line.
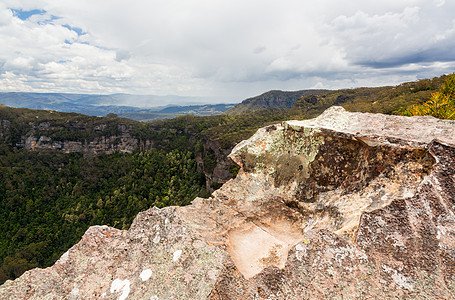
[346, 205]
[39, 136]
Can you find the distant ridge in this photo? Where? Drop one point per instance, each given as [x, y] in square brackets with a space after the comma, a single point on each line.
[33, 100]
[135, 107]
[274, 99]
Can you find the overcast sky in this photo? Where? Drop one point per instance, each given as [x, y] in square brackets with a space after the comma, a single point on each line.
[224, 49]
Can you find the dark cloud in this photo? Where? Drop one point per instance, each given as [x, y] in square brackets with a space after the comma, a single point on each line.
[259, 50]
[122, 55]
[411, 35]
[423, 57]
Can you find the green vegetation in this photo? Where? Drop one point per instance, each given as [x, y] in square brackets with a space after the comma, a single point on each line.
[441, 104]
[387, 100]
[276, 100]
[228, 130]
[49, 198]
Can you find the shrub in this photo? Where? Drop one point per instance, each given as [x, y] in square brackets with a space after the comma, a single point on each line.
[441, 104]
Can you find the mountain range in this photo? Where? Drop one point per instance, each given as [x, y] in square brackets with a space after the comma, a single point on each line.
[151, 107]
[386, 99]
[136, 107]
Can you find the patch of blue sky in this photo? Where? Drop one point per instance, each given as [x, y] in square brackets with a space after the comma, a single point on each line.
[48, 21]
[25, 14]
[68, 42]
[75, 29]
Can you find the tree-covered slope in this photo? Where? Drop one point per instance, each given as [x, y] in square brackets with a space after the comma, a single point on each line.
[441, 103]
[274, 100]
[388, 99]
[48, 198]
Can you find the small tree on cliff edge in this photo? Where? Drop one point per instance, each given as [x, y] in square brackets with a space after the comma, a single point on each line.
[441, 105]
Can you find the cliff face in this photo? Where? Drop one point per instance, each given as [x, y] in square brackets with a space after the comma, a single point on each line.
[70, 132]
[214, 162]
[39, 136]
[347, 204]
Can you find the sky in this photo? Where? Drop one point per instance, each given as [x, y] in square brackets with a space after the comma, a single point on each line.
[224, 50]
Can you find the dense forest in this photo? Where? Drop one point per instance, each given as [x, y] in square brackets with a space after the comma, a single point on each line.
[48, 198]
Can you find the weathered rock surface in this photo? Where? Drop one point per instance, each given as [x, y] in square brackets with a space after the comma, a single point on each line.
[90, 136]
[347, 205]
[123, 141]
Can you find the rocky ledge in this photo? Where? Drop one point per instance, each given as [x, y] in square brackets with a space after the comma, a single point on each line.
[347, 205]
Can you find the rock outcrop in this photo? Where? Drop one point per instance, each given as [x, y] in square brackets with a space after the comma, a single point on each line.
[40, 137]
[346, 205]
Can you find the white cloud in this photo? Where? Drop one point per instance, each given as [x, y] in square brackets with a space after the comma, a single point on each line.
[439, 3]
[412, 35]
[5, 16]
[221, 48]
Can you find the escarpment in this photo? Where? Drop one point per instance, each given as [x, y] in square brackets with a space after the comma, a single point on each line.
[102, 141]
[346, 205]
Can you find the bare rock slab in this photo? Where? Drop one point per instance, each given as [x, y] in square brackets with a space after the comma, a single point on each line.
[157, 257]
